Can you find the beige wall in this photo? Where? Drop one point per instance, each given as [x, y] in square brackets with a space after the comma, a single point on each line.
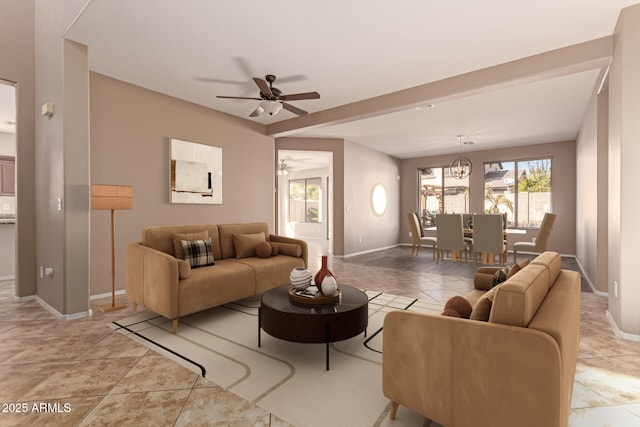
[591, 192]
[363, 230]
[130, 131]
[61, 160]
[563, 182]
[624, 152]
[17, 50]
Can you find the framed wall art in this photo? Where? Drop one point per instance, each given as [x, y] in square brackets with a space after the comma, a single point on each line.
[196, 173]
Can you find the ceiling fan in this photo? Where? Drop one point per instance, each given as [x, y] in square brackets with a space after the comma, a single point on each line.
[273, 99]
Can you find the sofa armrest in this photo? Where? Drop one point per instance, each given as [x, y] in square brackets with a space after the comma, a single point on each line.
[152, 279]
[468, 373]
[483, 278]
[283, 239]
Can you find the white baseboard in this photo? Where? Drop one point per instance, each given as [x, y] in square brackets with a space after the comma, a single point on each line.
[370, 251]
[107, 294]
[59, 315]
[27, 298]
[618, 332]
[3, 278]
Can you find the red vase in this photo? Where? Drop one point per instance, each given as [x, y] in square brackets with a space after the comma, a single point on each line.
[324, 272]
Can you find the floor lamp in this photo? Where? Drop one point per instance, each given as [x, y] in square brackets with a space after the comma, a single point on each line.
[112, 197]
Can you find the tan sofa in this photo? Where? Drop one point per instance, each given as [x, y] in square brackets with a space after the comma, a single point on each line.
[159, 281]
[516, 369]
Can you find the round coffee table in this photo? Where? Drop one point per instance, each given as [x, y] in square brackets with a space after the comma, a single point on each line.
[309, 323]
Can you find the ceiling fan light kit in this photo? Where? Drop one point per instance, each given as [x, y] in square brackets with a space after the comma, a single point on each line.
[271, 107]
[282, 169]
[272, 98]
[461, 167]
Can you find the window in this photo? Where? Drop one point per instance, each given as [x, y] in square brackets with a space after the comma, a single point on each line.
[7, 176]
[520, 188]
[439, 192]
[304, 200]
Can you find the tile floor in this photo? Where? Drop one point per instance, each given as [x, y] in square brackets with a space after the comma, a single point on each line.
[80, 372]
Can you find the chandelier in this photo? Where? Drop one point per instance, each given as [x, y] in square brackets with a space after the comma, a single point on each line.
[460, 168]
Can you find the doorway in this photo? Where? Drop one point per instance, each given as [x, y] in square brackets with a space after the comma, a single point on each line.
[304, 183]
[7, 180]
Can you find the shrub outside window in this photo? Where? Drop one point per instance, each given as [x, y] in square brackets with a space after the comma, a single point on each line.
[519, 188]
[304, 200]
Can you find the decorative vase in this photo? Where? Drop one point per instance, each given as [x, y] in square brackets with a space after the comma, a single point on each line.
[300, 278]
[324, 272]
[329, 286]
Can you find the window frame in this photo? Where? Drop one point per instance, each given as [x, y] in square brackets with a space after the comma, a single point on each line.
[444, 178]
[306, 199]
[516, 191]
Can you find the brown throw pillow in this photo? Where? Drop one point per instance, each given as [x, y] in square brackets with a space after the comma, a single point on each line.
[523, 264]
[263, 249]
[459, 304]
[482, 309]
[179, 237]
[451, 313]
[513, 270]
[245, 244]
[275, 249]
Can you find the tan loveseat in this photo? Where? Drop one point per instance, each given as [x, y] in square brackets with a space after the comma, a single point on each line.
[516, 369]
[159, 281]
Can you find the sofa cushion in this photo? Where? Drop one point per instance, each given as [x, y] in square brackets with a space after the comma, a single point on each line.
[198, 252]
[263, 249]
[516, 301]
[179, 237]
[245, 244]
[271, 272]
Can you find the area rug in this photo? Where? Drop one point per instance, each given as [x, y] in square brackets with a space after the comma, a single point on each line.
[287, 379]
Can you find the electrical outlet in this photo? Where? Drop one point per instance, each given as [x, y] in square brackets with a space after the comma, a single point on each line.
[41, 272]
[615, 289]
[410, 234]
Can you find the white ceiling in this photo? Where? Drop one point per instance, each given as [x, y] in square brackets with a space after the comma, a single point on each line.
[354, 50]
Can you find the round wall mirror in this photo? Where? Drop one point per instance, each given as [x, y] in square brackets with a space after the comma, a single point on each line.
[379, 199]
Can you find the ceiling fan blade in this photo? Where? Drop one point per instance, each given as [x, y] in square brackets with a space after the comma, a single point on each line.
[294, 110]
[256, 112]
[238, 97]
[263, 86]
[300, 96]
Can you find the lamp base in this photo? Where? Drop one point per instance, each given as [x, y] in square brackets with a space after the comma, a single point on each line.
[108, 308]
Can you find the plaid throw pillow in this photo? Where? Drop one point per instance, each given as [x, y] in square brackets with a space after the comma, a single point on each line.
[197, 252]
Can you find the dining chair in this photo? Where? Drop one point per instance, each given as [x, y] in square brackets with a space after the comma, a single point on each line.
[488, 238]
[540, 245]
[450, 236]
[417, 236]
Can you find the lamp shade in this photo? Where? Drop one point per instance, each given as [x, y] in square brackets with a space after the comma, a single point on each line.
[271, 107]
[111, 197]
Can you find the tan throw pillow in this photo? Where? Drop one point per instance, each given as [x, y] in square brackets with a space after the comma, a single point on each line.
[482, 309]
[179, 237]
[291, 249]
[245, 244]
